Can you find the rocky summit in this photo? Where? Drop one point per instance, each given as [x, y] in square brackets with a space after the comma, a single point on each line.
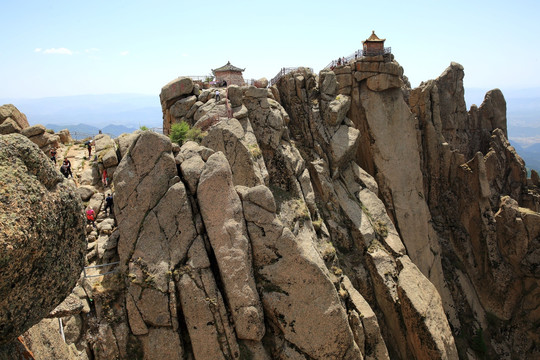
[334, 216]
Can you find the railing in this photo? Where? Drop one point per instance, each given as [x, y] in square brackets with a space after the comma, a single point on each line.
[357, 54]
[204, 78]
[98, 266]
[283, 72]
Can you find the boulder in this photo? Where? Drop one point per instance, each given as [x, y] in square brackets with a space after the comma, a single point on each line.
[10, 111]
[235, 95]
[9, 126]
[174, 90]
[261, 83]
[65, 136]
[109, 158]
[182, 106]
[86, 192]
[344, 144]
[32, 232]
[381, 82]
[334, 111]
[33, 131]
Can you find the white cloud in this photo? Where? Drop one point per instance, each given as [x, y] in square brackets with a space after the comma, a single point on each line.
[37, 50]
[91, 50]
[185, 54]
[124, 53]
[61, 51]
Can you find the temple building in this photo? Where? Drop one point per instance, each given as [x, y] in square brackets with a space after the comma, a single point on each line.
[229, 75]
[373, 46]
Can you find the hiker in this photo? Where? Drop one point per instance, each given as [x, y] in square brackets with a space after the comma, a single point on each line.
[89, 146]
[91, 217]
[339, 61]
[53, 155]
[109, 204]
[68, 164]
[217, 95]
[64, 169]
[105, 178]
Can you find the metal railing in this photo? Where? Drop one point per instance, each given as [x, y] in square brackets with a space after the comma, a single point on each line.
[283, 72]
[98, 266]
[355, 55]
[203, 78]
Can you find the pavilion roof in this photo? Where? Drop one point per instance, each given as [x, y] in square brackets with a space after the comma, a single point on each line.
[228, 67]
[374, 38]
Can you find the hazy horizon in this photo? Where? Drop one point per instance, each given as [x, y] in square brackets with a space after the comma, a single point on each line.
[64, 48]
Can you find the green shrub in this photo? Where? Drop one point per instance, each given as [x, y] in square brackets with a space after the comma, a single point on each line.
[143, 128]
[195, 134]
[182, 132]
[178, 132]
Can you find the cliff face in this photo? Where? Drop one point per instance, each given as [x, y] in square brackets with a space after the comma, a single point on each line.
[339, 216]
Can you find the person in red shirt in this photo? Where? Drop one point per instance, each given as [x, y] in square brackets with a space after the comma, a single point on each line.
[91, 217]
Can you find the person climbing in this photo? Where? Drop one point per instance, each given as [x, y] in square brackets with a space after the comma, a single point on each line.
[53, 155]
[217, 95]
[91, 217]
[105, 178]
[109, 204]
[68, 164]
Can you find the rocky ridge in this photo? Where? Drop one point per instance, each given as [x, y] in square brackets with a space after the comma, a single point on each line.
[297, 230]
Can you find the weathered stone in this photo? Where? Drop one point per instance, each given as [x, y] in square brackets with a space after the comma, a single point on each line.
[70, 306]
[234, 92]
[204, 310]
[110, 159]
[175, 89]
[254, 92]
[33, 131]
[230, 137]
[335, 111]
[344, 144]
[33, 190]
[10, 111]
[65, 136]
[427, 327]
[261, 83]
[381, 82]
[9, 126]
[162, 343]
[182, 106]
[221, 210]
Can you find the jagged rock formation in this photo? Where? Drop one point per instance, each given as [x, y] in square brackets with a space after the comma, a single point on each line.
[41, 238]
[339, 216]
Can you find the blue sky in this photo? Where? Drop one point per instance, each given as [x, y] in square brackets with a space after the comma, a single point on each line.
[59, 48]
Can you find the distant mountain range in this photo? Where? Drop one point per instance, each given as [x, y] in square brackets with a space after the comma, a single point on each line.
[82, 131]
[130, 110]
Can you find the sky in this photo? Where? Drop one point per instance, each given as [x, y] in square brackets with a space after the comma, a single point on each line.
[61, 48]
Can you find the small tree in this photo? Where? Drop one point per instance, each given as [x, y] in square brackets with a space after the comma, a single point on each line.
[178, 132]
[182, 132]
[143, 128]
